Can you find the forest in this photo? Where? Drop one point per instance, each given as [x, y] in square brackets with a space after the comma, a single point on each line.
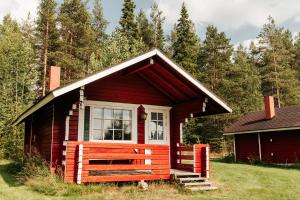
[74, 36]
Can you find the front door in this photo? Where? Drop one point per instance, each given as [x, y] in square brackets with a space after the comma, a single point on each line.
[157, 127]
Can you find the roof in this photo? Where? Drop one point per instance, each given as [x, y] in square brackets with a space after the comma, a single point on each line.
[286, 118]
[89, 79]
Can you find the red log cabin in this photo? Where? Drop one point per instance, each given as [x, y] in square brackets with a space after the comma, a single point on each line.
[121, 124]
[271, 136]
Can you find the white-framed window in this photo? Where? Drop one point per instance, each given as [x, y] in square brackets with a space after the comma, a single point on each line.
[156, 126]
[109, 121]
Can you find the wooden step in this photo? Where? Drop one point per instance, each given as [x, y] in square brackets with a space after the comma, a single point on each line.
[192, 179]
[207, 188]
[197, 184]
[178, 176]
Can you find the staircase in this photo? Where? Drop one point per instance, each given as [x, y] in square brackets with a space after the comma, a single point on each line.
[192, 181]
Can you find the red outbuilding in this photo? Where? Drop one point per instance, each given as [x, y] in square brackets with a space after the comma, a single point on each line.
[121, 124]
[271, 136]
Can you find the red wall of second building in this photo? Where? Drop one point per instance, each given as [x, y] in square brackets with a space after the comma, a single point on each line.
[281, 147]
[246, 147]
[276, 147]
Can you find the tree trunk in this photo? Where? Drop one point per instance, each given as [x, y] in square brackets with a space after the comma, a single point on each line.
[45, 59]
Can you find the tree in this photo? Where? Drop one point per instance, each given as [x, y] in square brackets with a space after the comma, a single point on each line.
[145, 32]
[77, 39]
[278, 77]
[296, 63]
[217, 71]
[17, 84]
[116, 49]
[99, 23]
[243, 81]
[48, 38]
[156, 25]
[127, 21]
[186, 46]
[214, 59]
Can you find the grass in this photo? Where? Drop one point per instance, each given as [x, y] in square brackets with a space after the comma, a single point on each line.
[235, 181]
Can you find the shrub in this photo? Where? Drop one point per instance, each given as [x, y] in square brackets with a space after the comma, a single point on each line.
[33, 166]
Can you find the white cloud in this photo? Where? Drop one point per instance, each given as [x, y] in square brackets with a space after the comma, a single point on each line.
[18, 9]
[233, 14]
[246, 43]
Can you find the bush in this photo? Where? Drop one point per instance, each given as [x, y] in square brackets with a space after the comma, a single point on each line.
[33, 166]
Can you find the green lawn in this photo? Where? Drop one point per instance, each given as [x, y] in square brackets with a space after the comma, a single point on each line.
[235, 181]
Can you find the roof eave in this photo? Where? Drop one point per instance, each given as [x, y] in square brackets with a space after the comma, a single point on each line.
[263, 130]
[99, 75]
[34, 108]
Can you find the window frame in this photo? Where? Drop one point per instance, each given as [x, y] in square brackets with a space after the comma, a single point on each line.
[111, 105]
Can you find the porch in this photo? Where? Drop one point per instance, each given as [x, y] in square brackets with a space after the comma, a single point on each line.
[86, 162]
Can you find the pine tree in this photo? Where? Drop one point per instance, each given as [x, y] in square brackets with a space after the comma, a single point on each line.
[278, 77]
[116, 49]
[217, 71]
[77, 39]
[186, 45]
[296, 50]
[48, 37]
[145, 32]
[99, 23]
[243, 81]
[214, 59]
[127, 21]
[157, 26]
[17, 84]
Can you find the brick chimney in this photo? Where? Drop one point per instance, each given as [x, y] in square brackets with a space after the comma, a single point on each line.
[54, 78]
[269, 107]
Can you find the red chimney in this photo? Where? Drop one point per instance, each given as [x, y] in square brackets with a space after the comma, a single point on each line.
[269, 107]
[54, 78]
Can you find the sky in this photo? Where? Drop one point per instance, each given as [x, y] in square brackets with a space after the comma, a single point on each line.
[241, 20]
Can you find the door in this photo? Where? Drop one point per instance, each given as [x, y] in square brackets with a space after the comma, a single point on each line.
[157, 127]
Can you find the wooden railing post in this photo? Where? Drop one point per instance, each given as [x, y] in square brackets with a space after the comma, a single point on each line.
[79, 166]
[207, 161]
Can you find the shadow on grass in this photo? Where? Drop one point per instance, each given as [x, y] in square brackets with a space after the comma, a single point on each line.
[8, 173]
[261, 164]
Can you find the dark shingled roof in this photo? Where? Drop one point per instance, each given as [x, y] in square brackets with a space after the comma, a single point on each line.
[287, 117]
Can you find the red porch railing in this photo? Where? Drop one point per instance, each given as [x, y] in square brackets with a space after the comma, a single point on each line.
[104, 162]
[193, 158]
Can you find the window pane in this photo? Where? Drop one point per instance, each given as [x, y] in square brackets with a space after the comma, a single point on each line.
[118, 124]
[127, 125]
[153, 135]
[108, 134]
[118, 135]
[127, 135]
[159, 116]
[108, 113]
[97, 124]
[126, 114]
[117, 114]
[160, 131]
[108, 124]
[153, 116]
[160, 126]
[98, 113]
[160, 135]
[97, 135]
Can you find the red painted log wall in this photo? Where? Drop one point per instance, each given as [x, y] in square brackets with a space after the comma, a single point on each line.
[141, 126]
[41, 128]
[281, 147]
[125, 89]
[246, 147]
